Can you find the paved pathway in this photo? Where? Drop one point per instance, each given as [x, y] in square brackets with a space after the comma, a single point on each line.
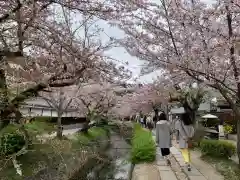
[194, 174]
[206, 169]
[166, 172]
[200, 169]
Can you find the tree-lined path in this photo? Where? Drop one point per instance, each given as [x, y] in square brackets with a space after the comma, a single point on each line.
[59, 50]
[200, 169]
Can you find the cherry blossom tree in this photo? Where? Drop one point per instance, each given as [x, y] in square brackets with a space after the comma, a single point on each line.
[185, 93]
[190, 39]
[61, 99]
[95, 101]
[190, 98]
[40, 46]
[143, 98]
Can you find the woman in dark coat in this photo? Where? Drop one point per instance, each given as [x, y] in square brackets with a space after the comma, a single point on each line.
[145, 121]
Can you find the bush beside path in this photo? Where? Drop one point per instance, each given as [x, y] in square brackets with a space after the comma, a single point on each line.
[200, 169]
[149, 168]
[210, 161]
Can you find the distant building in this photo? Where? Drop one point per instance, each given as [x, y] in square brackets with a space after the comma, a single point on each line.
[40, 107]
[206, 107]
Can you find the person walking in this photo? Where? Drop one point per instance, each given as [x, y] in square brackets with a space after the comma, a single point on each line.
[150, 122]
[142, 120]
[155, 116]
[186, 132]
[163, 136]
[145, 121]
[176, 128]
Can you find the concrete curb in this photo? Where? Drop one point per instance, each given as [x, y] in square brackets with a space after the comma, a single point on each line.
[194, 174]
[130, 173]
[179, 163]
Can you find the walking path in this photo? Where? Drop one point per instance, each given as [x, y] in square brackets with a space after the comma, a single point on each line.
[158, 170]
[165, 171]
[200, 169]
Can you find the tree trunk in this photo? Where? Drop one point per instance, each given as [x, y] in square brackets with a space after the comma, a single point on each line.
[156, 112]
[59, 127]
[191, 112]
[193, 117]
[3, 99]
[236, 112]
[238, 139]
[85, 127]
[19, 120]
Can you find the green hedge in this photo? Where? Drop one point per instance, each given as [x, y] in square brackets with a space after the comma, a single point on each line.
[11, 140]
[143, 146]
[226, 167]
[217, 148]
[11, 143]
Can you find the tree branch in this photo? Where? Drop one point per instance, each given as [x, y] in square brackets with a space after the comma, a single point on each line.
[7, 15]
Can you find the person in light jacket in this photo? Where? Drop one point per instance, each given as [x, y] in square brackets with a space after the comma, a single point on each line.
[150, 123]
[163, 136]
[186, 132]
[176, 128]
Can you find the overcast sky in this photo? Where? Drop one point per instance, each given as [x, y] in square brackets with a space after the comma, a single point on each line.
[120, 53]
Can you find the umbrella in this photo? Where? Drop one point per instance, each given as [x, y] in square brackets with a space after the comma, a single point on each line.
[209, 116]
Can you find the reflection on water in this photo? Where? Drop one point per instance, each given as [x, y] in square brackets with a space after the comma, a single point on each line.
[116, 165]
[122, 169]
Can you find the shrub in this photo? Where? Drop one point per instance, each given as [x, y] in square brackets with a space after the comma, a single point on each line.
[228, 168]
[143, 146]
[228, 128]
[217, 148]
[94, 133]
[210, 122]
[233, 123]
[11, 143]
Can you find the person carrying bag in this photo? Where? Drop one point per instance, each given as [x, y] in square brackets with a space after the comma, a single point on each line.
[186, 133]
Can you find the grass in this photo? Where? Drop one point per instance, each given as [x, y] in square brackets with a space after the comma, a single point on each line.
[39, 127]
[93, 134]
[228, 168]
[34, 128]
[143, 146]
[53, 152]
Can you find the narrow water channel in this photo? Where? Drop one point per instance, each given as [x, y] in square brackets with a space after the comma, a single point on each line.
[117, 166]
[120, 152]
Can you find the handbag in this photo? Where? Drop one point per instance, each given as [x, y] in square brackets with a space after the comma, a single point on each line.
[190, 143]
[189, 140]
